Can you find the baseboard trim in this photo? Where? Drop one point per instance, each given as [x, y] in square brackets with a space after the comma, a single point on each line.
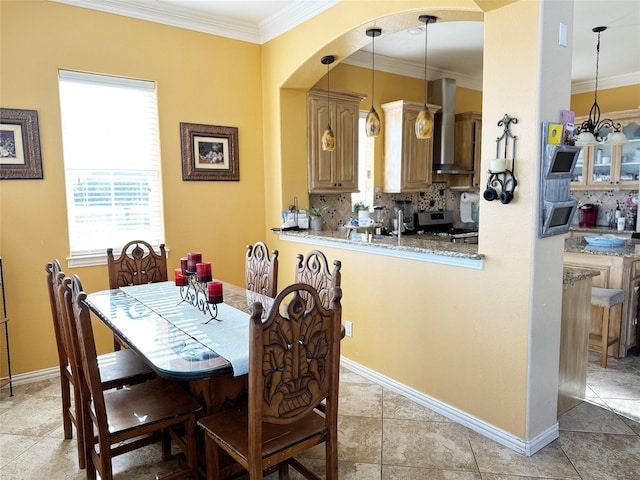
[525, 447]
[35, 376]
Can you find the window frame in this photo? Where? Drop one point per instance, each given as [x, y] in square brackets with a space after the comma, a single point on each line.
[139, 188]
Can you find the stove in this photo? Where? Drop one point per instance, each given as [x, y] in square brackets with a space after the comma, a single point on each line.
[441, 224]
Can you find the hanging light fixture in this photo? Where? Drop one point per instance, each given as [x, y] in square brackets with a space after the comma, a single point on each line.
[590, 132]
[328, 138]
[372, 122]
[424, 121]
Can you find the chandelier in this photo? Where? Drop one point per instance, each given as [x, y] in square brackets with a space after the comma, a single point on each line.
[590, 132]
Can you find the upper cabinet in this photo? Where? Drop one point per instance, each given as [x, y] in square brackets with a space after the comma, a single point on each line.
[408, 160]
[605, 167]
[468, 143]
[337, 171]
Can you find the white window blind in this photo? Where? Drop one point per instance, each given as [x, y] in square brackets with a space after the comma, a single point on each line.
[112, 161]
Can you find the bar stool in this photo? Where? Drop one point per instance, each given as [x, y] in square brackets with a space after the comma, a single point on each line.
[607, 298]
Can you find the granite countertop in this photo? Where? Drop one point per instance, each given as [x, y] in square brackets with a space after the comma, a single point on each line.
[599, 230]
[574, 275]
[631, 248]
[427, 244]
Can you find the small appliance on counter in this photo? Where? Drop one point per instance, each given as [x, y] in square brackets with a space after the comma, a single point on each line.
[588, 215]
[408, 210]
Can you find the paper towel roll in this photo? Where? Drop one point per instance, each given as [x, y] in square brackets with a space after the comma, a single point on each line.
[466, 206]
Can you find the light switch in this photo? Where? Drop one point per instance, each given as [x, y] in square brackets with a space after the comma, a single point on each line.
[562, 35]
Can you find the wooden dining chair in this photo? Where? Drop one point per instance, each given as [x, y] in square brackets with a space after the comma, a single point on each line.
[137, 264]
[294, 358]
[122, 420]
[117, 369]
[314, 270]
[261, 270]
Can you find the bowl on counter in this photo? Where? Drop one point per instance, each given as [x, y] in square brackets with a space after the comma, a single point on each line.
[605, 240]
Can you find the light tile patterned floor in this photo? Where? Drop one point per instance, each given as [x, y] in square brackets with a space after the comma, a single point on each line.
[382, 436]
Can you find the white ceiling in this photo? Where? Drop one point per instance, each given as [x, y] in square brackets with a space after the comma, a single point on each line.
[455, 48]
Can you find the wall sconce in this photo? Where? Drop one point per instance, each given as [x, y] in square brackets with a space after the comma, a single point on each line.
[502, 182]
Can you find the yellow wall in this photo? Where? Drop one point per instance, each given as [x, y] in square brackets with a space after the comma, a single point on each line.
[610, 100]
[199, 80]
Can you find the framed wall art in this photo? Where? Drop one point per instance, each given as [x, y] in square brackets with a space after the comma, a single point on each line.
[209, 152]
[20, 156]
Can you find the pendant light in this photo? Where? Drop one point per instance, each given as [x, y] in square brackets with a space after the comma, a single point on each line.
[328, 138]
[589, 133]
[372, 122]
[424, 121]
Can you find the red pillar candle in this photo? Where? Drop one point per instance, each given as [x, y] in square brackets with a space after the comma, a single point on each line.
[181, 280]
[203, 271]
[183, 265]
[192, 259]
[214, 292]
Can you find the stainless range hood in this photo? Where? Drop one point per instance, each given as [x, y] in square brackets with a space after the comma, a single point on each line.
[443, 92]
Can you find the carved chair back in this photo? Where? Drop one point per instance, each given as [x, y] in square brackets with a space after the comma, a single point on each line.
[261, 270]
[137, 264]
[314, 270]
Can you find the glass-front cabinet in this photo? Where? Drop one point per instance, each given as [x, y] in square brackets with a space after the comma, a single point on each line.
[604, 167]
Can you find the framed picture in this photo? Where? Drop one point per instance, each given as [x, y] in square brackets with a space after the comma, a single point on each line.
[209, 152]
[20, 156]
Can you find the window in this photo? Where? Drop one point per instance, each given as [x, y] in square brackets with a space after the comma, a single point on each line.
[365, 165]
[112, 163]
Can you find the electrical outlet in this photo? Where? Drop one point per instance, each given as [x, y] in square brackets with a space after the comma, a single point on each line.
[348, 328]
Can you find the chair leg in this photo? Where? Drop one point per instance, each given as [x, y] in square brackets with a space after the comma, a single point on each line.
[79, 429]
[283, 471]
[212, 460]
[605, 337]
[66, 404]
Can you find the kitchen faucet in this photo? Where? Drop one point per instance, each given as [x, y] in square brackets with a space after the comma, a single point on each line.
[399, 226]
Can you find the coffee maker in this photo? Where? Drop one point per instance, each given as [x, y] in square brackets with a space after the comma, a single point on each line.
[588, 215]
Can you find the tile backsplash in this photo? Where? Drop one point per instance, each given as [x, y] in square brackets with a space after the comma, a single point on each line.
[439, 197]
[607, 201]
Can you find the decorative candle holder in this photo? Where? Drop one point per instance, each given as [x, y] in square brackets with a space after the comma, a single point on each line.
[195, 293]
[502, 183]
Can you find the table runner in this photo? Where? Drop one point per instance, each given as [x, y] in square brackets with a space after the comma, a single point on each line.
[228, 337]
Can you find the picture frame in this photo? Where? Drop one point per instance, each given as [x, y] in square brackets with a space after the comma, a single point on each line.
[20, 154]
[209, 152]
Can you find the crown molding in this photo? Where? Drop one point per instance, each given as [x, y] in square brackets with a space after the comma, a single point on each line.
[605, 83]
[411, 69]
[176, 16]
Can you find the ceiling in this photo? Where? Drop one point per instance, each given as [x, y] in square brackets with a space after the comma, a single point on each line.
[455, 48]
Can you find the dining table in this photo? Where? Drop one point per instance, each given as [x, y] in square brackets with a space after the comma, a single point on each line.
[182, 337]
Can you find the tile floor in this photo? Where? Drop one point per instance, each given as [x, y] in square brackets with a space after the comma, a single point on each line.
[382, 436]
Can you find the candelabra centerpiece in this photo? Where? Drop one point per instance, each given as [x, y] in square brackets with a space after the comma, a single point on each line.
[196, 285]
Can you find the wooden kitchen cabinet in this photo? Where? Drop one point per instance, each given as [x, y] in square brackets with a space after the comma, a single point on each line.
[468, 143]
[408, 160]
[603, 167]
[337, 171]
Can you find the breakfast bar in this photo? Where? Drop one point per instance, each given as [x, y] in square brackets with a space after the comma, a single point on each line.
[619, 267]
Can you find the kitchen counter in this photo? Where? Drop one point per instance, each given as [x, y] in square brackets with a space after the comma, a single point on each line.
[430, 248]
[631, 248]
[619, 268]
